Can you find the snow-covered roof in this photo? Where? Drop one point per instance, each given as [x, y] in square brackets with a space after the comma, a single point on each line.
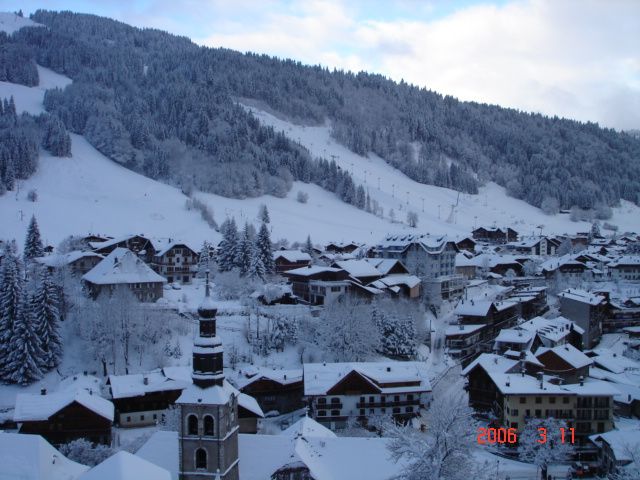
[593, 388]
[491, 362]
[125, 466]
[452, 330]
[163, 245]
[400, 279]
[525, 242]
[581, 296]
[292, 255]
[384, 265]
[32, 407]
[400, 242]
[112, 241]
[488, 260]
[625, 260]
[528, 357]
[474, 308]
[253, 374]
[122, 266]
[31, 457]
[214, 395]
[614, 362]
[518, 384]
[127, 386]
[568, 353]
[66, 259]
[308, 427]
[387, 377]
[621, 442]
[554, 329]
[162, 450]
[514, 335]
[74, 383]
[249, 403]
[358, 268]
[311, 270]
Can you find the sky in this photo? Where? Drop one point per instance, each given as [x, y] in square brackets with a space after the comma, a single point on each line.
[571, 58]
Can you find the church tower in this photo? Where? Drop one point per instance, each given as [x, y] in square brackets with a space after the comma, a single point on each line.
[208, 434]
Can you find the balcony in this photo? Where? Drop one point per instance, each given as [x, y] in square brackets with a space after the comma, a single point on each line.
[404, 403]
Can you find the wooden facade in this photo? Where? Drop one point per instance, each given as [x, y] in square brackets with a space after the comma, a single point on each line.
[272, 395]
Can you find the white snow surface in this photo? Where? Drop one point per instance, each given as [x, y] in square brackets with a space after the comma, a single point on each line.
[10, 22]
[125, 466]
[29, 99]
[569, 354]
[122, 266]
[31, 457]
[34, 407]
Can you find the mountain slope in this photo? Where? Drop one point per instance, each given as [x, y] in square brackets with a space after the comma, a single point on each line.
[138, 92]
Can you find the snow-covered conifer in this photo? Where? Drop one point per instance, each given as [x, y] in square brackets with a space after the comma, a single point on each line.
[256, 269]
[263, 215]
[25, 355]
[244, 250]
[265, 249]
[45, 316]
[33, 243]
[11, 292]
[228, 245]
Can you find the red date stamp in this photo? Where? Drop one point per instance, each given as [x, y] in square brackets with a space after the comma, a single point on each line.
[491, 436]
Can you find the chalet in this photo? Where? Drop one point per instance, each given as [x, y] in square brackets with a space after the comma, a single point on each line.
[138, 244]
[565, 265]
[594, 407]
[274, 390]
[466, 243]
[495, 315]
[483, 392]
[318, 285]
[565, 362]
[587, 310]
[337, 392]
[625, 268]
[429, 257]
[622, 314]
[290, 260]
[532, 301]
[341, 247]
[616, 452]
[516, 340]
[400, 284]
[126, 466]
[123, 268]
[485, 263]
[65, 416]
[554, 332]
[142, 399]
[463, 341]
[77, 262]
[494, 235]
[360, 270]
[531, 246]
[176, 261]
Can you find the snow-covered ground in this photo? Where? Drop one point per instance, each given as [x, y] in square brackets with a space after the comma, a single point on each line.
[29, 99]
[393, 189]
[10, 22]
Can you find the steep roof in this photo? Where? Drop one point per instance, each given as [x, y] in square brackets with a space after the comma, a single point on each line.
[474, 308]
[491, 362]
[214, 395]
[621, 442]
[308, 427]
[125, 466]
[66, 259]
[319, 378]
[568, 353]
[127, 386]
[32, 407]
[429, 243]
[312, 270]
[292, 255]
[582, 296]
[122, 266]
[358, 268]
[31, 457]
[283, 377]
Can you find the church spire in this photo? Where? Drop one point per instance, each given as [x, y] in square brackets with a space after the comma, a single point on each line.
[207, 347]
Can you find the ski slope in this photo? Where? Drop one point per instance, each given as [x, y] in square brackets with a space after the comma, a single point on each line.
[10, 22]
[439, 209]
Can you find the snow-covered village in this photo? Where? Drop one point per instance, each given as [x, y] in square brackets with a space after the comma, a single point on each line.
[235, 266]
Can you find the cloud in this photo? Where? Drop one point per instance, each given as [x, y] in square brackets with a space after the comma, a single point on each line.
[578, 59]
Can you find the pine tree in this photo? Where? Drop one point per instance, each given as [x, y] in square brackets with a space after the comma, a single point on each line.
[264, 214]
[26, 356]
[204, 258]
[44, 312]
[256, 269]
[33, 244]
[11, 288]
[244, 252]
[308, 245]
[265, 249]
[228, 247]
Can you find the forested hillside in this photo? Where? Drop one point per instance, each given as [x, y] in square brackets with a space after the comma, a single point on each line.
[161, 105]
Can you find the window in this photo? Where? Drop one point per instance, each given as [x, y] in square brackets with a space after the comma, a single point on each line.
[208, 425]
[201, 459]
[514, 412]
[538, 413]
[409, 398]
[335, 400]
[322, 413]
[335, 289]
[362, 411]
[361, 399]
[155, 416]
[335, 413]
[565, 399]
[514, 425]
[383, 410]
[527, 413]
[396, 398]
[396, 410]
[372, 399]
[142, 418]
[192, 425]
[322, 400]
[523, 399]
[371, 411]
[552, 399]
[538, 399]
[128, 419]
[408, 409]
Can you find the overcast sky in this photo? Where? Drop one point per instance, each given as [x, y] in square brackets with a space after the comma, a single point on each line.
[572, 58]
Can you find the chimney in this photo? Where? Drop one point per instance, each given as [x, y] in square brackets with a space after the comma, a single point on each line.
[43, 391]
[522, 372]
[145, 380]
[581, 381]
[84, 373]
[508, 382]
[285, 376]
[540, 376]
[91, 391]
[388, 369]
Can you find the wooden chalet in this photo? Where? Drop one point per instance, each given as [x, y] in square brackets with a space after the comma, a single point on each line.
[565, 362]
[65, 416]
[495, 235]
[466, 243]
[339, 247]
[290, 260]
[274, 390]
[138, 244]
[318, 285]
[176, 261]
[77, 262]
